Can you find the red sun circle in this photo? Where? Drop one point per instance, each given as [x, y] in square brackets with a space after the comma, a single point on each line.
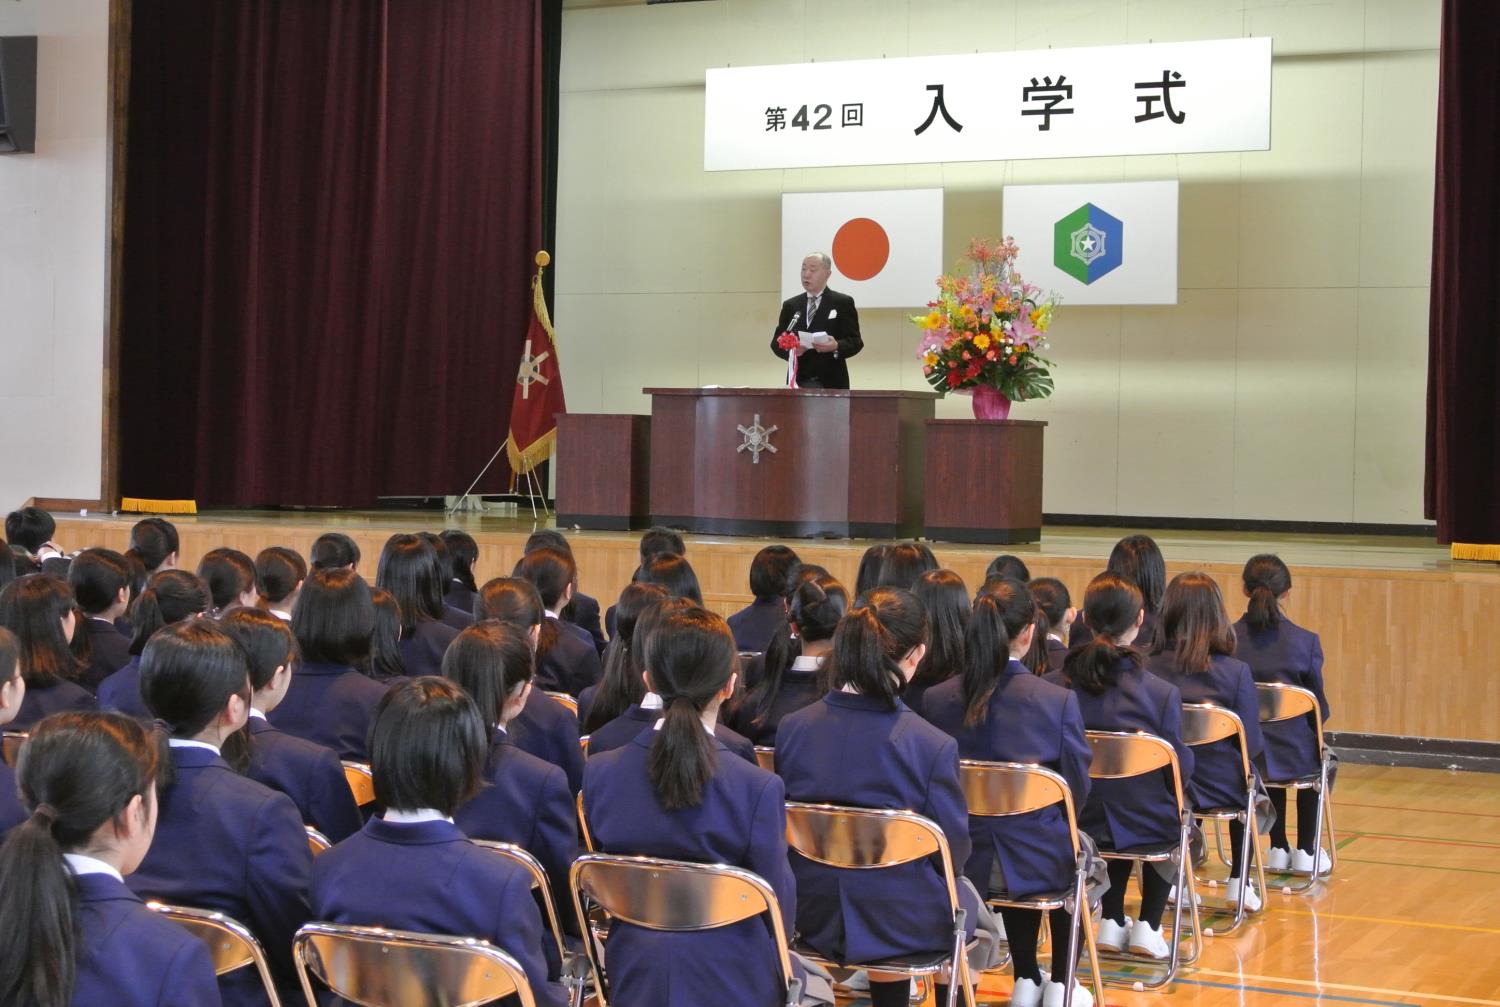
[861, 248]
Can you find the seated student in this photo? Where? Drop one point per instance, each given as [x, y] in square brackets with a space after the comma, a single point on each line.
[566, 658]
[581, 613]
[1050, 647]
[1138, 559]
[903, 563]
[860, 745]
[675, 792]
[230, 576]
[331, 702]
[279, 575]
[155, 541]
[309, 774]
[544, 727]
[223, 842]
[794, 665]
[75, 934]
[39, 609]
[7, 566]
[1278, 650]
[30, 530]
[1007, 566]
[100, 581]
[753, 667]
[655, 541]
[334, 550]
[410, 571]
[1192, 653]
[674, 573]
[455, 617]
[385, 661]
[170, 597]
[946, 599]
[621, 684]
[1000, 712]
[524, 800]
[868, 576]
[138, 577]
[463, 556]
[1116, 693]
[12, 692]
[755, 625]
[412, 868]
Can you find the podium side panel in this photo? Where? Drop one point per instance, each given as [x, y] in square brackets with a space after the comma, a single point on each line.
[673, 429]
[984, 481]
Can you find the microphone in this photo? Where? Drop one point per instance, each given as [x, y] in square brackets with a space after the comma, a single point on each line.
[792, 325]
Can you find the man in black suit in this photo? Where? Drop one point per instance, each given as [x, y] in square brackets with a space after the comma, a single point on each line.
[832, 319]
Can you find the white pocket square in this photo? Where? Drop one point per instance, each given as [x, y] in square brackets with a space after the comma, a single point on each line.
[833, 314]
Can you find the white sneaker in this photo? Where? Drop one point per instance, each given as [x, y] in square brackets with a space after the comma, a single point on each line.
[1112, 936]
[1147, 940]
[1278, 859]
[1053, 997]
[1252, 900]
[1172, 896]
[1302, 863]
[1027, 993]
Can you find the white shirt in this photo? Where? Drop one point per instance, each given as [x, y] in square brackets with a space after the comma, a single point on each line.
[651, 701]
[278, 613]
[1054, 636]
[805, 663]
[88, 865]
[416, 816]
[191, 743]
[256, 713]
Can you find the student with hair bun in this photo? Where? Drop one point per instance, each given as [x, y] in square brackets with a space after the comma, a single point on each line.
[100, 579]
[675, 791]
[77, 936]
[1116, 693]
[170, 597]
[861, 745]
[230, 577]
[1278, 650]
[334, 550]
[412, 868]
[1000, 712]
[310, 774]
[12, 692]
[279, 575]
[1055, 606]
[795, 661]
[39, 609]
[155, 541]
[946, 599]
[621, 684]
[223, 842]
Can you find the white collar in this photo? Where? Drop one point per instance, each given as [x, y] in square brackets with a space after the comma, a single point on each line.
[89, 865]
[1054, 636]
[191, 743]
[651, 701]
[551, 614]
[805, 663]
[107, 622]
[278, 613]
[663, 720]
[415, 816]
[256, 713]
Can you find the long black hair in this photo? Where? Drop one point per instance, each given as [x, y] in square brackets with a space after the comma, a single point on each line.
[1266, 580]
[872, 640]
[33, 607]
[904, 562]
[77, 773]
[154, 540]
[334, 618]
[946, 598]
[334, 549]
[170, 597]
[1112, 606]
[1000, 615]
[870, 563]
[489, 661]
[621, 684]
[189, 672]
[673, 572]
[1138, 558]
[463, 556]
[816, 607]
[1052, 604]
[385, 661]
[691, 658]
[410, 570]
[229, 574]
[97, 576]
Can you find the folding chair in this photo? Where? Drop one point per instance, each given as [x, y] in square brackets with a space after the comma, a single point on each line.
[871, 839]
[1288, 702]
[376, 967]
[539, 882]
[316, 841]
[565, 700]
[10, 745]
[676, 896]
[583, 745]
[230, 943]
[1002, 789]
[1121, 755]
[360, 781]
[1206, 724]
[765, 757]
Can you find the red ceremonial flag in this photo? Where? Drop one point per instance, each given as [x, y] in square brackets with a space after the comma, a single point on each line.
[539, 391]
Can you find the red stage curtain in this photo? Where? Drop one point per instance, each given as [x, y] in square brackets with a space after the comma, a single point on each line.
[331, 210]
[1463, 368]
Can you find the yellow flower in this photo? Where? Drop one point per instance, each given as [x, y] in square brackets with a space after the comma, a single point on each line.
[982, 341]
[930, 360]
[934, 320]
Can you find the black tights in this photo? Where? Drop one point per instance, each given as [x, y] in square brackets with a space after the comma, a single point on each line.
[1021, 935]
[897, 994]
[1307, 819]
[1154, 892]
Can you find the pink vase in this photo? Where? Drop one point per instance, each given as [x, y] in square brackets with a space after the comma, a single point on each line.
[990, 403]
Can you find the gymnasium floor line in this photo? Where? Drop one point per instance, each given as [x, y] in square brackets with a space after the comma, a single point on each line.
[1348, 988]
[1425, 867]
[1422, 840]
[1418, 811]
[1317, 914]
[1300, 994]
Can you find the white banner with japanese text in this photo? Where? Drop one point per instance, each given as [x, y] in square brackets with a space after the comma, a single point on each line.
[1167, 98]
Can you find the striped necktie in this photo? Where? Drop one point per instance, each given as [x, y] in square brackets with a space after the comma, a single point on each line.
[812, 306]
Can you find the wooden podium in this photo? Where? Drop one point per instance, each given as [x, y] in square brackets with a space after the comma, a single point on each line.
[788, 462]
[984, 480]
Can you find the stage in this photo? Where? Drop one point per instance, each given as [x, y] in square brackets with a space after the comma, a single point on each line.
[1408, 633]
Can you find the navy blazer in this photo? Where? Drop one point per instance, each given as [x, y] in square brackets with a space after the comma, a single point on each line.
[854, 750]
[457, 617]
[227, 843]
[1122, 814]
[12, 811]
[129, 956]
[1027, 720]
[423, 648]
[459, 597]
[585, 704]
[1291, 655]
[798, 689]
[42, 700]
[549, 731]
[310, 774]
[109, 651]
[754, 625]
[1057, 653]
[583, 612]
[121, 691]
[571, 664]
[741, 821]
[628, 726]
[428, 877]
[1218, 779]
[331, 705]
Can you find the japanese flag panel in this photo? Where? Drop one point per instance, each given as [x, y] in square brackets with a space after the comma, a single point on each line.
[886, 245]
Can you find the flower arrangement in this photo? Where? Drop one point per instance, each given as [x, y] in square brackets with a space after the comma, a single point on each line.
[987, 327]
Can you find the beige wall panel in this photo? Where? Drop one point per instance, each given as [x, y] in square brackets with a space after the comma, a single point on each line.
[602, 48]
[1080, 466]
[583, 250]
[1402, 24]
[1183, 20]
[735, 348]
[1043, 24]
[1391, 405]
[987, 26]
[1396, 183]
[1303, 27]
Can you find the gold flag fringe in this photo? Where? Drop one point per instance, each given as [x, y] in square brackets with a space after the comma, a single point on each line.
[1470, 550]
[143, 506]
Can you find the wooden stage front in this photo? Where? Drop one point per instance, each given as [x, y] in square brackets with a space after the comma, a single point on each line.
[1411, 637]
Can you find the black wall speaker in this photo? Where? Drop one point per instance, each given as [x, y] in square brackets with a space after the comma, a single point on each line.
[17, 94]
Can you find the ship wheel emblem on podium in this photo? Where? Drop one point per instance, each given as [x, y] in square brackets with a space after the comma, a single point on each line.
[757, 439]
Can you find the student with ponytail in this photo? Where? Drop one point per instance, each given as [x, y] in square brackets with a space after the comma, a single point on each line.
[946, 598]
[463, 556]
[794, 662]
[100, 579]
[39, 609]
[566, 658]
[223, 842]
[279, 575]
[170, 597]
[1055, 606]
[334, 550]
[621, 684]
[1116, 693]
[860, 745]
[675, 791]
[310, 774]
[230, 577]
[1000, 712]
[76, 935]
[1278, 650]
[12, 692]
[155, 541]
